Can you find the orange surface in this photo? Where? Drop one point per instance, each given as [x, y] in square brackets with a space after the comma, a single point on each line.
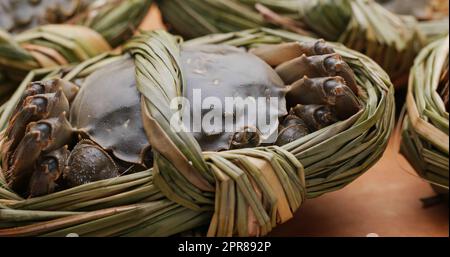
[384, 201]
[152, 20]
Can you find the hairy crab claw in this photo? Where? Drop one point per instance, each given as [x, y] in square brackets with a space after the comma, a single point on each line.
[18, 15]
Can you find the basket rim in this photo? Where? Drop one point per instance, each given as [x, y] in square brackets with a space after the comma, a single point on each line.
[420, 123]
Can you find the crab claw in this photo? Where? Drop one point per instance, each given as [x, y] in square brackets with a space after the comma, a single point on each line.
[317, 66]
[45, 87]
[324, 91]
[247, 138]
[316, 117]
[275, 55]
[47, 172]
[35, 88]
[42, 136]
[87, 163]
[33, 108]
[292, 129]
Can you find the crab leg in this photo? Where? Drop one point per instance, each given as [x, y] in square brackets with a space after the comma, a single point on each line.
[247, 138]
[275, 55]
[324, 91]
[35, 108]
[45, 87]
[317, 66]
[43, 136]
[292, 129]
[47, 171]
[69, 89]
[316, 117]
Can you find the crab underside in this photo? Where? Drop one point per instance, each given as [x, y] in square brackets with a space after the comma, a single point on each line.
[62, 135]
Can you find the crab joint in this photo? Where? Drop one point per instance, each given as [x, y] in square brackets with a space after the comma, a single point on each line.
[43, 136]
[275, 55]
[47, 172]
[247, 138]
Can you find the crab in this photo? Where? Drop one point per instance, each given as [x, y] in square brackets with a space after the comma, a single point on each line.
[62, 135]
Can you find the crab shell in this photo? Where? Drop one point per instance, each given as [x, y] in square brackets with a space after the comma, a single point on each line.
[223, 73]
[107, 110]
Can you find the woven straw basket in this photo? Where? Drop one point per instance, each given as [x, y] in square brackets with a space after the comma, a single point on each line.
[425, 126]
[233, 193]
